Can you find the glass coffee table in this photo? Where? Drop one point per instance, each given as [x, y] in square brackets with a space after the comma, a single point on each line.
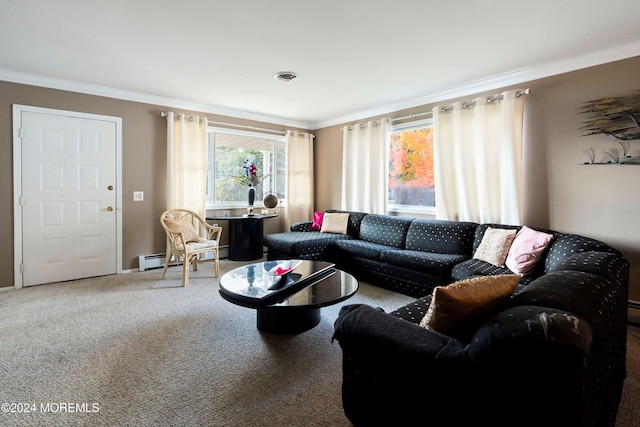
[288, 294]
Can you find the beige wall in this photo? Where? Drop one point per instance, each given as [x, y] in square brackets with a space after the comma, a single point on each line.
[602, 202]
[598, 201]
[143, 166]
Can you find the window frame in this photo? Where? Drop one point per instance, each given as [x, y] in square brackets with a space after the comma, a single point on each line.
[410, 209]
[211, 161]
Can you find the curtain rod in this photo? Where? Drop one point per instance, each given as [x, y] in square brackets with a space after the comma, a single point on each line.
[164, 114]
[490, 99]
[412, 116]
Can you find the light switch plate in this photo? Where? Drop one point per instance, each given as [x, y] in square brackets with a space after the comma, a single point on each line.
[138, 196]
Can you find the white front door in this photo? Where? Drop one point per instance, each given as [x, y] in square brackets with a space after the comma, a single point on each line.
[69, 195]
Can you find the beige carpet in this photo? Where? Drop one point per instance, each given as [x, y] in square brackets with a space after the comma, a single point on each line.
[131, 350]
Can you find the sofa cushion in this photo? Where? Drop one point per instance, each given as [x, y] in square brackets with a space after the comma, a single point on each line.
[482, 228]
[444, 237]
[316, 225]
[415, 311]
[302, 226]
[355, 219]
[440, 264]
[408, 281]
[526, 250]
[564, 246]
[337, 223]
[360, 248]
[475, 267]
[456, 309]
[385, 229]
[299, 244]
[184, 226]
[495, 245]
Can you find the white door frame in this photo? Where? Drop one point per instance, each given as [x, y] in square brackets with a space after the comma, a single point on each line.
[17, 181]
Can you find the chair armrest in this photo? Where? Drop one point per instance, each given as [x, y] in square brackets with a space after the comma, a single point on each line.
[213, 232]
[176, 238]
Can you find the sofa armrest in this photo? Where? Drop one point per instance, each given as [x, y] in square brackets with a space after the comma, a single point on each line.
[543, 353]
[525, 332]
[605, 264]
[392, 367]
[361, 327]
[301, 226]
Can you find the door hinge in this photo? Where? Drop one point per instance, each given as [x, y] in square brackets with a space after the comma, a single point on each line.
[21, 133]
[21, 200]
[21, 268]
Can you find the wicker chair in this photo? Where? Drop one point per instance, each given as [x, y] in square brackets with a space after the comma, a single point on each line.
[189, 236]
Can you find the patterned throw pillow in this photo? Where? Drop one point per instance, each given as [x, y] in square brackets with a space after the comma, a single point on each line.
[526, 250]
[335, 223]
[495, 245]
[185, 226]
[457, 308]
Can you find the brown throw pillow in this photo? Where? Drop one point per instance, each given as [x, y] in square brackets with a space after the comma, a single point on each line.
[457, 308]
[495, 245]
[335, 223]
[185, 226]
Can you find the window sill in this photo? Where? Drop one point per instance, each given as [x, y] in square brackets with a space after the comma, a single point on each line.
[412, 210]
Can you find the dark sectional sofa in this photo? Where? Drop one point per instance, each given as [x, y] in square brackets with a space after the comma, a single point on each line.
[410, 255]
[553, 355]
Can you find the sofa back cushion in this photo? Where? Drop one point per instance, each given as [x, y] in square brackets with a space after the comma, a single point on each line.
[564, 246]
[482, 228]
[441, 237]
[355, 218]
[536, 270]
[385, 229]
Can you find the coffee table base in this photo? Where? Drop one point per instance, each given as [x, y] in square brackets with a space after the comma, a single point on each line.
[287, 320]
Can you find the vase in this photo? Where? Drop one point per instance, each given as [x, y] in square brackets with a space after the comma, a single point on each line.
[251, 195]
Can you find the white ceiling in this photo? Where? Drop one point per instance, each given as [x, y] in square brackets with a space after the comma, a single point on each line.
[354, 58]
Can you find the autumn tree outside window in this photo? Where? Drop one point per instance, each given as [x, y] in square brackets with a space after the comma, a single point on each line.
[411, 177]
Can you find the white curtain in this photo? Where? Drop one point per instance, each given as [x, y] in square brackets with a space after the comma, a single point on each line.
[300, 196]
[365, 166]
[478, 160]
[186, 162]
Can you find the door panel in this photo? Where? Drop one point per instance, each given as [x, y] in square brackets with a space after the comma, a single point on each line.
[68, 164]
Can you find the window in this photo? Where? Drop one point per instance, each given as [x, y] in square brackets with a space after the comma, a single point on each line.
[411, 177]
[229, 150]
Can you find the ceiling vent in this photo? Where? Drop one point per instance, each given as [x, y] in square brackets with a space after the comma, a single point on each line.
[285, 76]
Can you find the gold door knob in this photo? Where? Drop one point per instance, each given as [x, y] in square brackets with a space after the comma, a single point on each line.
[110, 208]
[110, 187]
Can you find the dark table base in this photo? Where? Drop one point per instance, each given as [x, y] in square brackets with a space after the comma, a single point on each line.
[245, 239]
[245, 236]
[287, 320]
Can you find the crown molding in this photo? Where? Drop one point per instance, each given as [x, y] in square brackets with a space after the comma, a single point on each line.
[604, 56]
[84, 88]
[523, 75]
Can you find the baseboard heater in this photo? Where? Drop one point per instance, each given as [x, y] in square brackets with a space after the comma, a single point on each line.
[147, 262]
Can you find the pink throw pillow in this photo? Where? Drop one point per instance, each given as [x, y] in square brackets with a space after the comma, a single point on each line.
[526, 250]
[317, 221]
